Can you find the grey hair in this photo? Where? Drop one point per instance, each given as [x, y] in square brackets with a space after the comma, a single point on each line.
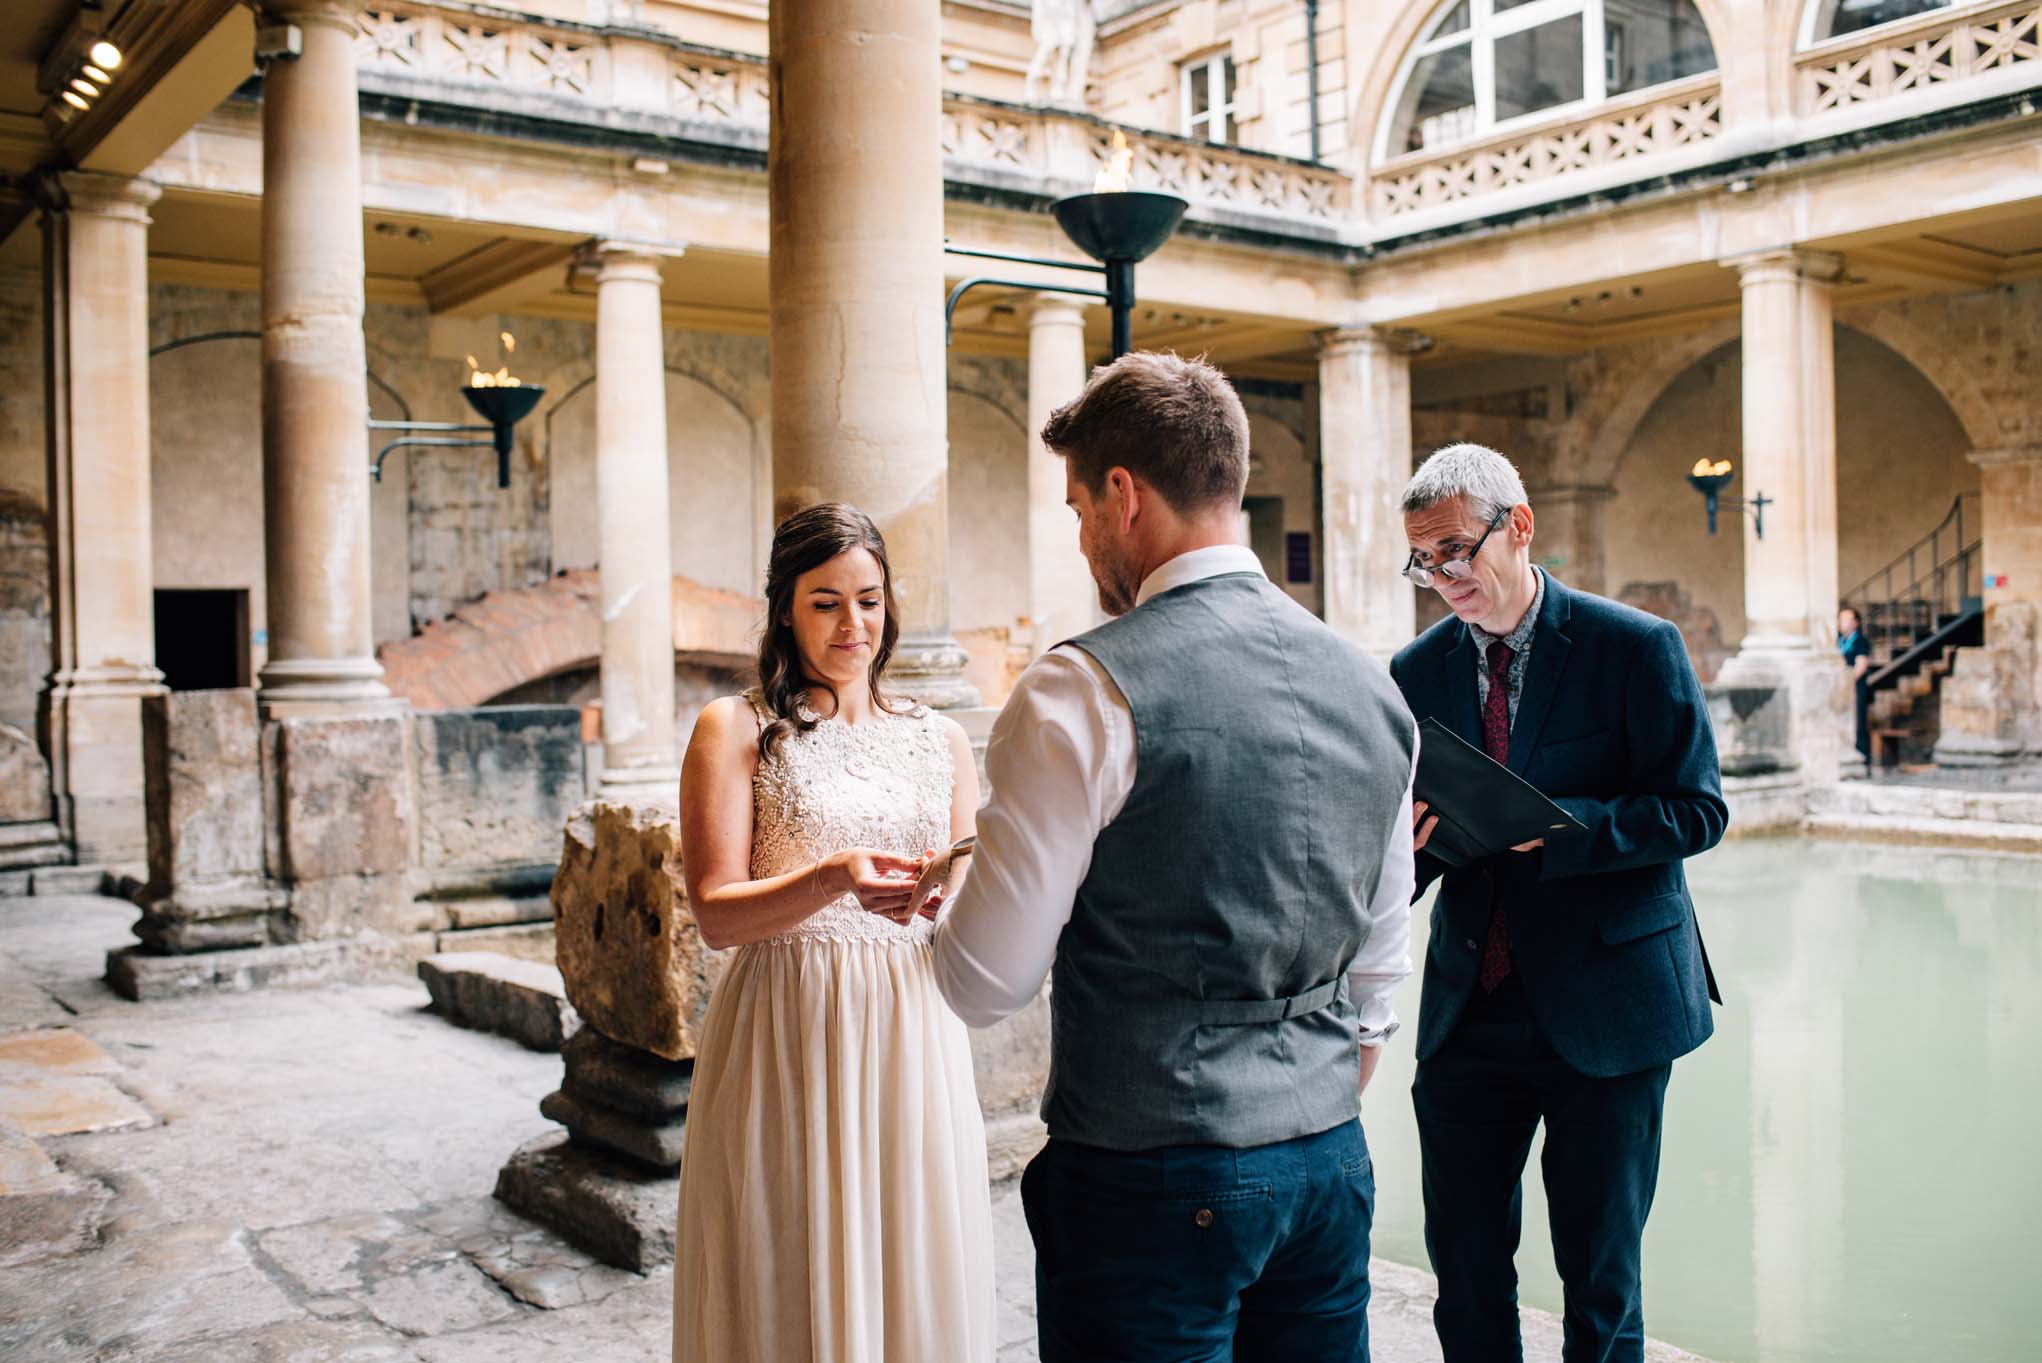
[1488, 480]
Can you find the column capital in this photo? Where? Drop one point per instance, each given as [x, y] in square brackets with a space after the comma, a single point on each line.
[341, 14]
[2006, 454]
[608, 258]
[127, 198]
[1388, 339]
[1776, 264]
[1047, 309]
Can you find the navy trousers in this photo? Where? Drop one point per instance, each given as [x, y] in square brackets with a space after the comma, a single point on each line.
[1203, 1254]
[1479, 1100]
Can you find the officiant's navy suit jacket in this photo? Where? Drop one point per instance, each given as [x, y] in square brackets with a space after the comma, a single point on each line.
[1611, 724]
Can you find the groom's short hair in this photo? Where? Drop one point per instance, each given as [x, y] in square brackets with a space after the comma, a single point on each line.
[1175, 423]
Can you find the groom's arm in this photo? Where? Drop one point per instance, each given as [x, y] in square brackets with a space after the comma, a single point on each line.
[1060, 763]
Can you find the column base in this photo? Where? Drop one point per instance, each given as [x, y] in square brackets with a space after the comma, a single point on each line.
[641, 785]
[1780, 708]
[931, 671]
[95, 718]
[291, 687]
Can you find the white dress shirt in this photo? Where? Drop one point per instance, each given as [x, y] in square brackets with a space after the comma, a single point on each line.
[1061, 764]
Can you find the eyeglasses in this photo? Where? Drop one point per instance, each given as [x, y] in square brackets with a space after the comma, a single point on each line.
[1454, 569]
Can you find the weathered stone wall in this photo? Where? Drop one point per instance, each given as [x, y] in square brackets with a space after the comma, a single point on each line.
[494, 785]
[988, 493]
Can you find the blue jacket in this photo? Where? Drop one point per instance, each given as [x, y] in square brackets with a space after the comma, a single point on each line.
[1613, 727]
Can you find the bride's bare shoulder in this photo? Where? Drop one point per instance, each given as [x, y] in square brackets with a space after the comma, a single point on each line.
[728, 722]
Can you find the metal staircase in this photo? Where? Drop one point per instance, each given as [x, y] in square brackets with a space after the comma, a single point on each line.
[1916, 612]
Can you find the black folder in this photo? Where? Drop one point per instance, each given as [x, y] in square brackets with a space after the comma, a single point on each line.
[1483, 806]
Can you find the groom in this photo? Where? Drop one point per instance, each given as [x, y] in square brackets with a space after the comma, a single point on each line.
[1200, 824]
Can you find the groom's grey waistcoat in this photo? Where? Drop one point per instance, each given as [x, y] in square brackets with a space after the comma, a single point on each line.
[1198, 996]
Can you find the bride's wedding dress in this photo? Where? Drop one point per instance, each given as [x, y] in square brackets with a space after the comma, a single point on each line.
[833, 1200]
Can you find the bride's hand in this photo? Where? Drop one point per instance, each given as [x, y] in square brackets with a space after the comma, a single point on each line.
[883, 881]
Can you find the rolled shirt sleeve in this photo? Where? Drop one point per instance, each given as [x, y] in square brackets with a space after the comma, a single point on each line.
[1385, 959]
[1060, 763]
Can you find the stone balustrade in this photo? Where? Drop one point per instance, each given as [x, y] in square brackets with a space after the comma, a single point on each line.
[582, 73]
[1664, 119]
[1915, 55]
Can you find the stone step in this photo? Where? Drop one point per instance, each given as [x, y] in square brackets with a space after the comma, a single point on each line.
[1979, 834]
[135, 974]
[490, 992]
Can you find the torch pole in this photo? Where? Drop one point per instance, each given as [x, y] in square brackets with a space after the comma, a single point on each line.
[1120, 301]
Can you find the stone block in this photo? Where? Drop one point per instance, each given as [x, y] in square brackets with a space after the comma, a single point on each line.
[613, 1207]
[600, 1070]
[28, 845]
[24, 778]
[327, 907]
[526, 941]
[1754, 728]
[343, 797]
[634, 962]
[1012, 1141]
[494, 785]
[134, 974]
[655, 1144]
[66, 1105]
[522, 1000]
[203, 777]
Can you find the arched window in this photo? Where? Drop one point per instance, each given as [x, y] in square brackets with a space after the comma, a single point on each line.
[1483, 63]
[1835, 18]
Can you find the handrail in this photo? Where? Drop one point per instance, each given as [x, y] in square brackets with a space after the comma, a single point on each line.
[1899, 605]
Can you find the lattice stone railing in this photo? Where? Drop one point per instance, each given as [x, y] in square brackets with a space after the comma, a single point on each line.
[1664, 119]
[1930, 50]
[503, 60]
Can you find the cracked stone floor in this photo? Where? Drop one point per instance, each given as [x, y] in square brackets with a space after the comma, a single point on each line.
[304, 1177]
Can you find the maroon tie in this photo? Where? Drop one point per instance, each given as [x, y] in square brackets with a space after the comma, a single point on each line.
[1496, 739]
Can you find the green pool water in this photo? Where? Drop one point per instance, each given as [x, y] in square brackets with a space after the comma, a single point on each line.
[1852, 1166]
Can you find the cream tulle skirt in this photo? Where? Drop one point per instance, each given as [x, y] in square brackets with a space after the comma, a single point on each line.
[833, 1190]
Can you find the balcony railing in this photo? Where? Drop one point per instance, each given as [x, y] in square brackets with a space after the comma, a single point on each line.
[1934, 49]
[1664, 119]
[588, 74]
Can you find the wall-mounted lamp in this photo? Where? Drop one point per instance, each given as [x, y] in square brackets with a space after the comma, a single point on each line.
[1710, 479]
[498, 397]
[1116, 226]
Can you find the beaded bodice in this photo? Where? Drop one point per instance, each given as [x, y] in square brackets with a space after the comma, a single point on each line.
[883, 784]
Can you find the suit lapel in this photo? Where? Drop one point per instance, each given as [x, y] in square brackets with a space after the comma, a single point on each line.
[1463, 711]
[1549, 648]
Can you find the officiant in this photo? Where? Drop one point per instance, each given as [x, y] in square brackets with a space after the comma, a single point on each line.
[1566, 973]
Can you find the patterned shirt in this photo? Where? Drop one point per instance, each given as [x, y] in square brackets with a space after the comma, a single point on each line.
[1520, 642]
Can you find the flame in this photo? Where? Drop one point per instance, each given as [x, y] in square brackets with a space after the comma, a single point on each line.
[1704, 469]
[478, 377]
[1114, 175]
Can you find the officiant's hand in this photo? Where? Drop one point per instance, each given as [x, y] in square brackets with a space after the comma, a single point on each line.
[883, 881]
[1421, 827]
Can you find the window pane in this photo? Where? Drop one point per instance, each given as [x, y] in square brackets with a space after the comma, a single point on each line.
[1848, 16]
[1439, 103]
[1650, 42]
[1229, 100]
[1456, 21]
[1498, 6]
[1201, 98]
[1538, 68]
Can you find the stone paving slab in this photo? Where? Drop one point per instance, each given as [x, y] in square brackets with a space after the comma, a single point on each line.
[319, 1192]
[66, 1104]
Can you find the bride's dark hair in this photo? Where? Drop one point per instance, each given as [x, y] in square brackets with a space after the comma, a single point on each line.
[808, 539]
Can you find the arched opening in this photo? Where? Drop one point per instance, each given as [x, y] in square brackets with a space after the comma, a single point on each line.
[1488, 64]
[1840, 18]
[1900, 460]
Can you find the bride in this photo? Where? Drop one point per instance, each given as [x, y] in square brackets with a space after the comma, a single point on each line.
[833, 1198]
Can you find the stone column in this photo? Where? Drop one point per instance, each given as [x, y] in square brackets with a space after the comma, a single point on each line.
[1992, 699]
[96, 346]
[1569, 537]
[315, 399]
[1365, 458]
[854, 174]
[634, 550]
[1063, 602]
[1789, 455]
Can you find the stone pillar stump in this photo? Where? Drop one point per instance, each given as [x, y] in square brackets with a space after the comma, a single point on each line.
[1365, 449]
